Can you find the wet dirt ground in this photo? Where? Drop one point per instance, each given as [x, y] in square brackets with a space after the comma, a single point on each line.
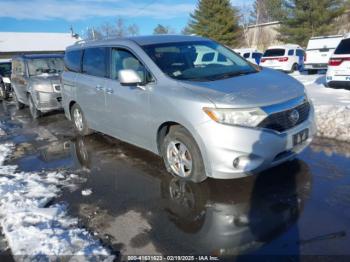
[130, 202]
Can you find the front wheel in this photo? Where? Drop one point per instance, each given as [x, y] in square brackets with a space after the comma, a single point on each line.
[3, 92]
[182, 156]
[18, 104]
[79, 121]
[33, 110]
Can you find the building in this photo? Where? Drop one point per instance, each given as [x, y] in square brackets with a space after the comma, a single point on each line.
[12, 44]
[261, 36]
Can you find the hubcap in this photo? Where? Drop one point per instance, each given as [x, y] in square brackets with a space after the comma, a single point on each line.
[78, 119]
[179, 158]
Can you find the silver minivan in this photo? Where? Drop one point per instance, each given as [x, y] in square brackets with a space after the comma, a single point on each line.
[36, 82]
[225, 119]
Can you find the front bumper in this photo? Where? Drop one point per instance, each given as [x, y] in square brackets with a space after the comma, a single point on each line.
[46, 102]
[257, 149]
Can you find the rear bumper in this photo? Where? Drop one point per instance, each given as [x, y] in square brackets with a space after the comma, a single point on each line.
[315, 66]
[284, 68]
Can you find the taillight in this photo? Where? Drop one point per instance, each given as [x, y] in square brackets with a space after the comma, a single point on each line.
[338, 61]
[263, 60]
[283, 59]
[305, 57]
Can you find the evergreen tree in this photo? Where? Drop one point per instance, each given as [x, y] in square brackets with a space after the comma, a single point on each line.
[216, 19]
[265, 11]
[307, 18]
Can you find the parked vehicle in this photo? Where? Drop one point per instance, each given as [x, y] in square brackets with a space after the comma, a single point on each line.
[5, 82]
[252, 55]
[225, 119]
[338, 73]
[319, 50]
[36, 82]
[287, 58]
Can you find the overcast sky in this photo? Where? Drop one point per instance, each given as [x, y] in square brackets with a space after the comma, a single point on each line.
[59, 15]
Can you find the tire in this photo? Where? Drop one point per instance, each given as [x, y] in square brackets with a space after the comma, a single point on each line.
[294, 68]
[18, 104]
[182, 156]
[35, 113]
[79, 121]
[3, 92]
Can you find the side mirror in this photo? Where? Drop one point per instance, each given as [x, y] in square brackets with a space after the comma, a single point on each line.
[129, 77]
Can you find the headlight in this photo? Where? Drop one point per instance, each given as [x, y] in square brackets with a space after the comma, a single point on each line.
[250, 117]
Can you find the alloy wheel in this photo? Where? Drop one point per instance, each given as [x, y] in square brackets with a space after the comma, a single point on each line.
[179, 158]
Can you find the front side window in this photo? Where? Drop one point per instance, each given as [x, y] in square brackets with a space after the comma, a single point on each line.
[343, 48]
[181, 61]
[72, 60]
[95, 61]
[123, 59]
[18, 67]
[274, 52]
[40, 66]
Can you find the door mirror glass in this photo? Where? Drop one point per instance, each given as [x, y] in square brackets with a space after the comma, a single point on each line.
[129, 77]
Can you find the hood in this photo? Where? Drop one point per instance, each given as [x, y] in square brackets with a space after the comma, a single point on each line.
[263, 88]
[45, 79]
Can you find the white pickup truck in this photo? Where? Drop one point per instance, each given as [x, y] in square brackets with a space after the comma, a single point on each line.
[319, 51]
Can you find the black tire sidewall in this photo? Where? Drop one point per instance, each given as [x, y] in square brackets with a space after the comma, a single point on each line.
[32, 108]
[182, 135]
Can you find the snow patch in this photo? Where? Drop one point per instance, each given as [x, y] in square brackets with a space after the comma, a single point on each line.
[35, 229]
[86, 192]
[2, 132]
[332, 107]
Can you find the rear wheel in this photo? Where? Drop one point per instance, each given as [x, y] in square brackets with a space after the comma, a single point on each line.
[294, 68]
[79, 121]
[182, 156]
[32, 107]
[18, 104]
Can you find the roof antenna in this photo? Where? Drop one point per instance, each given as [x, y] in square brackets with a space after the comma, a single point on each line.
[75, 35]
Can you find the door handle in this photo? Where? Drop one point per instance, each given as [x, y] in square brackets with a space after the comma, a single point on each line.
[109, 91]
[99, 88]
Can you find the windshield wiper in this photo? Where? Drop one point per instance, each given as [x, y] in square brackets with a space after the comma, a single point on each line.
[231, 74]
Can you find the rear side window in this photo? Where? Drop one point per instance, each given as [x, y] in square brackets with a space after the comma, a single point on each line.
[274, 52]
[95, 61]
[291, 52]
[246, 55]
[343, 48]
[208, 57]
[72, 60]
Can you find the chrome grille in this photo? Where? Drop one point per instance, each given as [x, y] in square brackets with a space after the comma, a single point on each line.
[281, 121]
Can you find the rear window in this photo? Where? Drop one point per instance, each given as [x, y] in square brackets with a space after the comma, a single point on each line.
[72, 60]
[95, 61]
[343, 48]
[274, 52]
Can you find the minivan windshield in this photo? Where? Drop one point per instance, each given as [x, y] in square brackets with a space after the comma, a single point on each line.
[198, 60]
[5, 69]
[274, 52]
[343, 48]
[40, 66]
